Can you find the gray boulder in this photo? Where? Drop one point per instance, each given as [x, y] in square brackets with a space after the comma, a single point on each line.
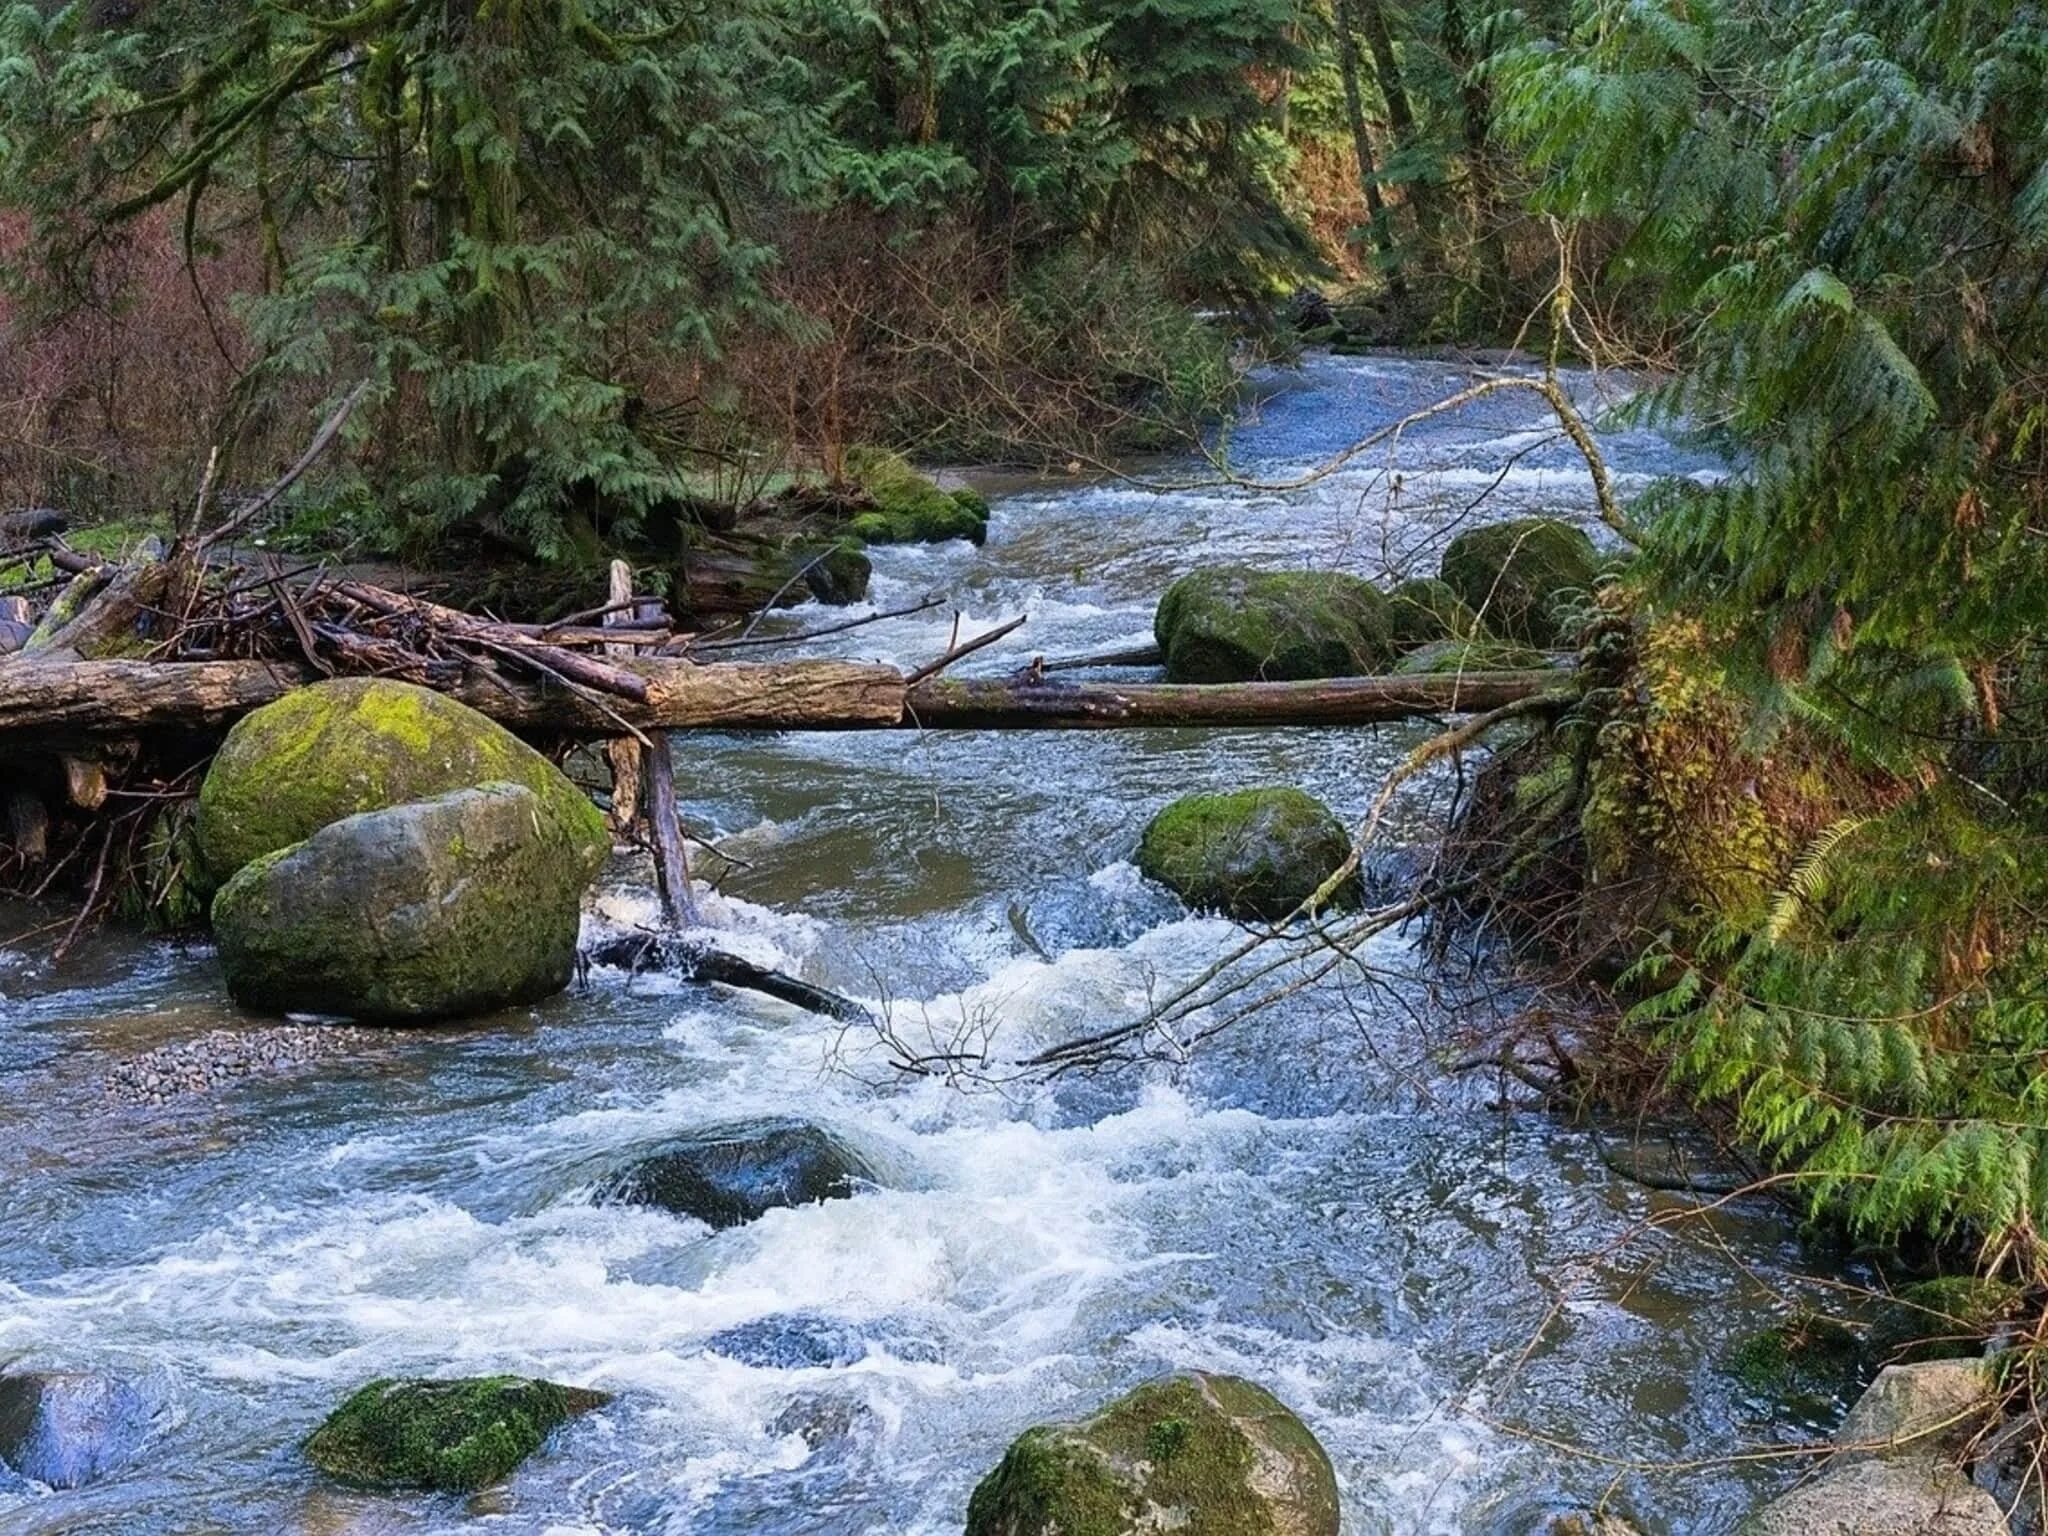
[66, 1429]
[1894, 1473]
[456, 905]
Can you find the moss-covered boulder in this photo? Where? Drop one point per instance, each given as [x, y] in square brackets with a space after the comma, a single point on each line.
[1255, 853]
[444, 907]
[908, 507]
[1233, 624]
[1948, 1318]
[364, 744]
[1512, 574]
[727, 1175]
[1192, 1453]
[1425, 610]
[449, 1436]
[1443, 657]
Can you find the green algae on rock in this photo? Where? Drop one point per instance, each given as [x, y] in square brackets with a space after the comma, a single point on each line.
[452, 1436]
[1442, 658]
[1511, 574]
[1233, 624]
[365, 744]
[1426, 610]
[436, 909]
[1946, 1318]
[1193, 1453]
[909, 508]
[1254, 853]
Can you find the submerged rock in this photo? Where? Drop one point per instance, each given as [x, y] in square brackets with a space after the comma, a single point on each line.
[1192, 1453]
[1806, 1365]
[365, 744]
[1234, 624]
[1511, 574]
[790, 1343]
[1256, 853]
[445, 907]
[1426, 610]
[66, 1429]
[730, 1175]
[451, 1436]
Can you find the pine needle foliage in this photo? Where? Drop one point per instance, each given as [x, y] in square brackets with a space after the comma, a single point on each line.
[1845, 207]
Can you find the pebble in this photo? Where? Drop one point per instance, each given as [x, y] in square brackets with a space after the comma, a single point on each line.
[222, 1056]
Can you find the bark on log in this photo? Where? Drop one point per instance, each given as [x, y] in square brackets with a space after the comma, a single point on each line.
[1011, 704]
[57, 700]
[54, 700]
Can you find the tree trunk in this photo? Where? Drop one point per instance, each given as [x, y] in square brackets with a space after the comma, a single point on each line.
[1368, 174]
[1370, 17]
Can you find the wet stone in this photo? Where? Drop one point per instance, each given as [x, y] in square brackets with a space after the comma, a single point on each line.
[729, 1175]
[66, 1429]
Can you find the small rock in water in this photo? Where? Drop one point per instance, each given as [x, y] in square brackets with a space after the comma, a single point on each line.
[66, 1429]
[454, 1436]
[790, 1343]
[730, 1175]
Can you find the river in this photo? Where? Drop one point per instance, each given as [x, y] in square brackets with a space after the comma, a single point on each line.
[1427, 1277]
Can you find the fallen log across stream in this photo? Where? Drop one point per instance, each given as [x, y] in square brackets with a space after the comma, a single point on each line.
[48, 703]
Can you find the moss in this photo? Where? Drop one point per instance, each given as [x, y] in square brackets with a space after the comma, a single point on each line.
[452, 1436]
[362, 744]
[1253, 853]
[1049, 1483]
[1808, 1365]
[1948, 1318]
[1442, 657]
[433, 909]
[1512, 574]
[909, 508]
[1426, 610]
[1235, 624]
[1193, 1453]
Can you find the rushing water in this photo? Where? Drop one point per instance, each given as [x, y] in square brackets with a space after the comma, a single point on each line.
[1423, 1275]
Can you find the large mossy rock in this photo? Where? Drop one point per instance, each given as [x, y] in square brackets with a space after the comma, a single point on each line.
[364, 744]
[1805, 1366]
[728, 1175]
[449, 1436]
[1192, 1453]
[1425, 610]
[1254, 853]
[1511, 574]
[69, 1428]
[444, 907]
[1234, 625]
[908, 507]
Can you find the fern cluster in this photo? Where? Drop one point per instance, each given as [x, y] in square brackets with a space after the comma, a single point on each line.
[1844, 207]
